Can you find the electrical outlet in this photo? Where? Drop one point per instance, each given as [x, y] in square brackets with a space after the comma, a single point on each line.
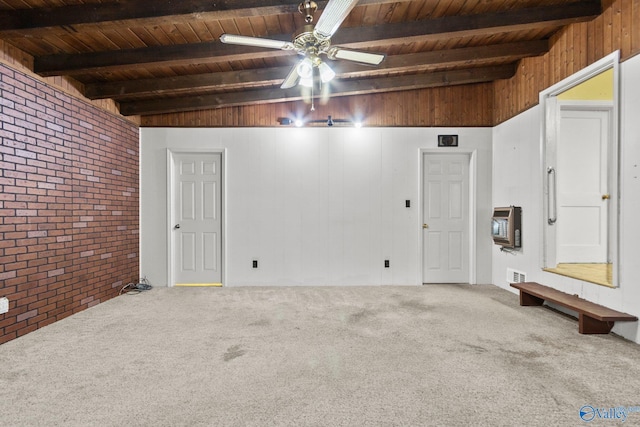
[4, 305]
[386, 263]
[255, 263]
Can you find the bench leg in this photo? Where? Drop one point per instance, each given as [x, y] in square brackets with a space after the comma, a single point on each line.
[529, 300]
[589, 325]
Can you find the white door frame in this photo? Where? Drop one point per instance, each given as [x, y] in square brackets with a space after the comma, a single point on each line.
[171, 152]
[473, 179]
[548, 137]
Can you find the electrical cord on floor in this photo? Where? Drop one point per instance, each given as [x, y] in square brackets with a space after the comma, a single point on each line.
[136, 288]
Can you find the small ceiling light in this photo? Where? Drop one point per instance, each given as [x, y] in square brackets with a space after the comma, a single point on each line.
[299, 123]
[326, 73]
[357, 124]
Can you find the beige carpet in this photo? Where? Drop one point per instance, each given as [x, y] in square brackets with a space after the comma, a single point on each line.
[435, 355]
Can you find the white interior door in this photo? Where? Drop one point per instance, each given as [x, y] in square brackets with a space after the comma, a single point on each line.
[445, 218]
[197, 227]
[582, 183]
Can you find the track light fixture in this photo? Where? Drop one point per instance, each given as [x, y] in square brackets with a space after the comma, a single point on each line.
[329, 121]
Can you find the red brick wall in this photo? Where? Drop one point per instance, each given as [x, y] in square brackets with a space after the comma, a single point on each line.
[68, 204]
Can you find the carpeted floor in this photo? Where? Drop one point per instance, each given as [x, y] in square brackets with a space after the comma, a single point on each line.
[435, 355]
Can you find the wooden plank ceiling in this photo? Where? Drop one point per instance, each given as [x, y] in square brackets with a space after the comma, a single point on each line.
[154, 56]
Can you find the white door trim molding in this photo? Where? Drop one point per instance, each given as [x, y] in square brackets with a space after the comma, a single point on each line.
[548, 137]
[171, 152]
[473, 208]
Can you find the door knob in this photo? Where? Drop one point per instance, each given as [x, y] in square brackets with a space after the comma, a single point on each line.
[606, 197]
[176, 226]
[425, 226]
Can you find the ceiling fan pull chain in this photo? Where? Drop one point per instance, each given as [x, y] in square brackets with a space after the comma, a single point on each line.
[313, 108]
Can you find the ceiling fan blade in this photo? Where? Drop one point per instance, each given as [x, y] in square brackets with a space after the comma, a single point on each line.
[291, 79]
[332, 16]
[356, 56]
[255, 41]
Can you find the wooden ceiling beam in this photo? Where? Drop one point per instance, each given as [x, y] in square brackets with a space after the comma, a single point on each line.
[181, 54]
[468, 25]
[222, 80]
[270, 76]
[120, 14]
[355, 37]
[338, 88]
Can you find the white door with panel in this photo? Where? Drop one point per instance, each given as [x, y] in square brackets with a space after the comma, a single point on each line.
[583, 195]
[197, 225]
[445, 226]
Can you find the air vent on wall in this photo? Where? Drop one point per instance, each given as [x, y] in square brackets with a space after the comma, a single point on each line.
[515, 276]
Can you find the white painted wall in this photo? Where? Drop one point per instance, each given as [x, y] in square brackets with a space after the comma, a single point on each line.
[315, 206]
[517, 180]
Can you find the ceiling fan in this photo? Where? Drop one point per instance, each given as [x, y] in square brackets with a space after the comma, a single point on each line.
[311, 42]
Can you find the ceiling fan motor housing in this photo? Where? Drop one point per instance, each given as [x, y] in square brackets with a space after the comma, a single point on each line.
[306, 43]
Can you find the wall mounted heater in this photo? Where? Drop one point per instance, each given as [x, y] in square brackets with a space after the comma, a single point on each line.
[506, 226]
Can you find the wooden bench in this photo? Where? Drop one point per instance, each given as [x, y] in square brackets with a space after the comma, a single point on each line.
[592, 318]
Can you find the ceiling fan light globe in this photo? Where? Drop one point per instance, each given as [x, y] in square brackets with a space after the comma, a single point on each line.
[305, 68]
[306, 82]
[326, 73]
